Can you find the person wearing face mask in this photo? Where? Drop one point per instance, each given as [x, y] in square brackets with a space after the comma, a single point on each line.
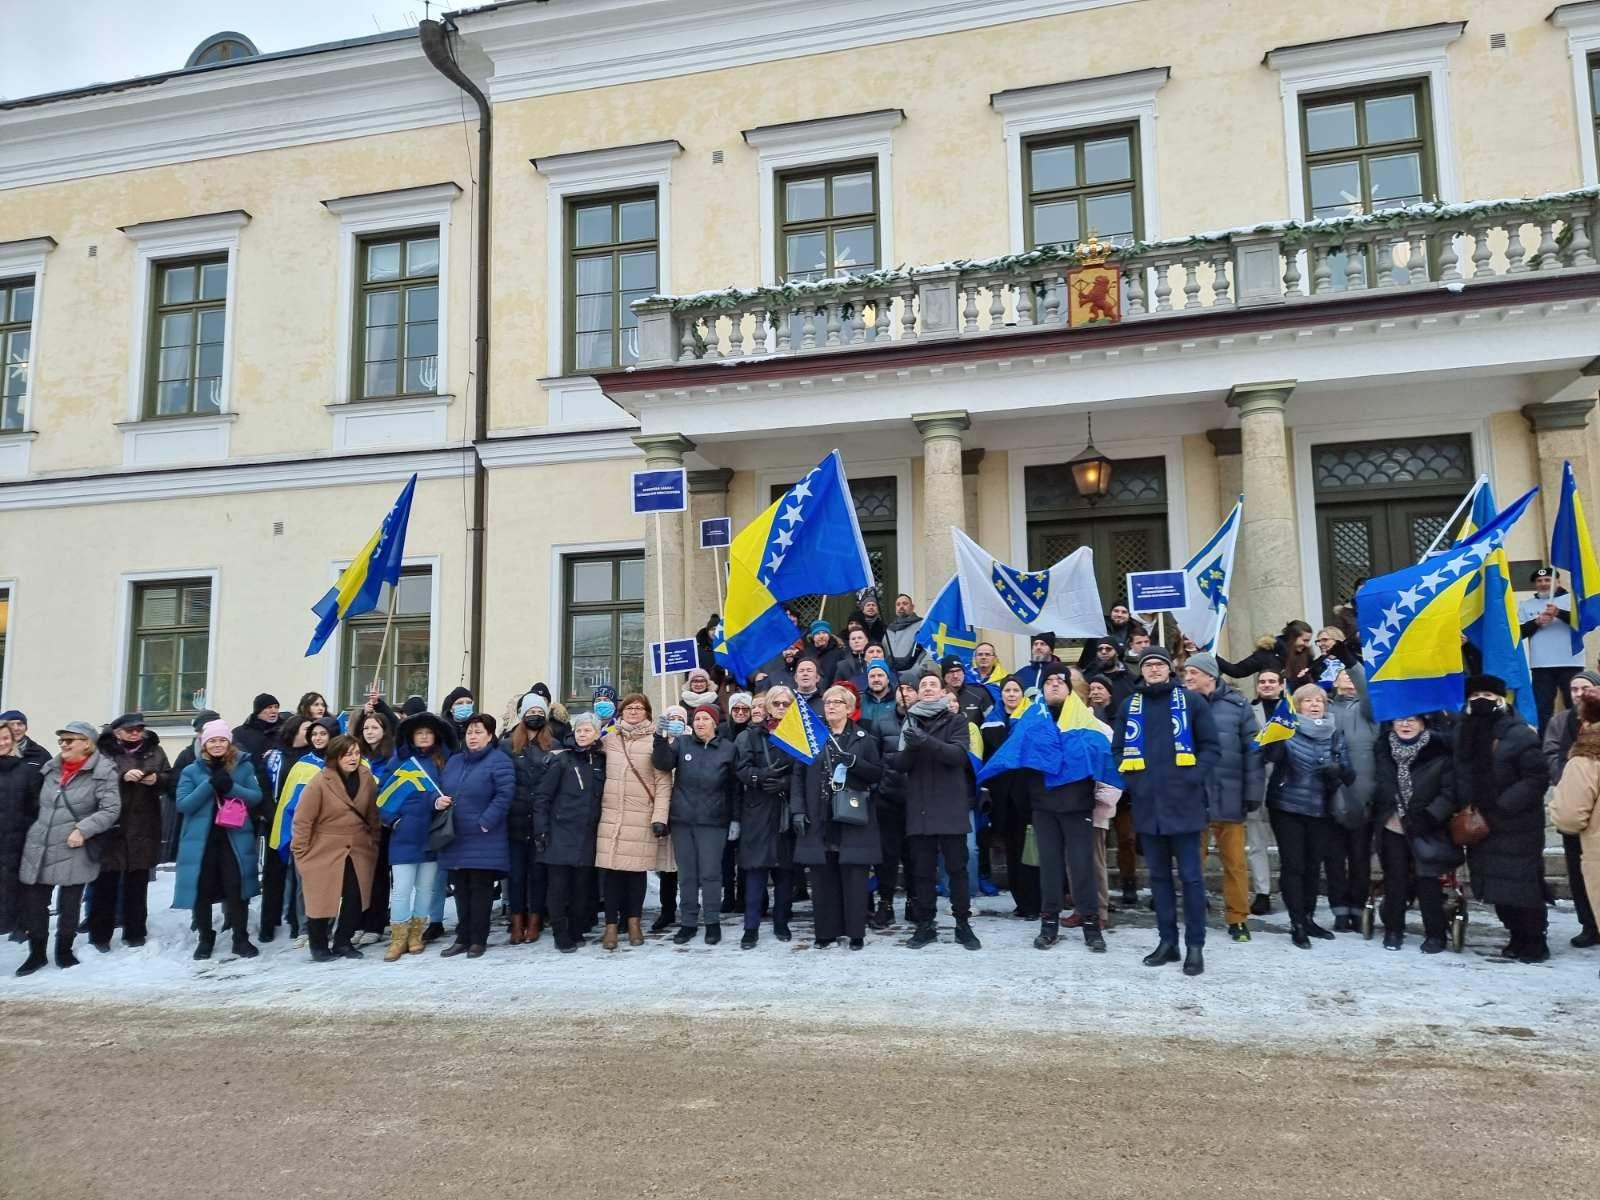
[566, 812]
[603, 703]
[1349, 864]
[459, 704]
[1560, 733]
[704, 797]
[1501, 772]
[1306, 770]
[766, 843]
[532, 746]
[1414, 795]
[335, 848]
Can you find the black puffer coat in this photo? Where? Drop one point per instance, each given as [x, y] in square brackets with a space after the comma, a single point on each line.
[1507, 866]
[135, 843]
[890, 794]
[532, 765]
[19, 805]
[935, 769]
[812, 794]
[1425, 820]
[765, 772]
[566, 806]
[704, 788]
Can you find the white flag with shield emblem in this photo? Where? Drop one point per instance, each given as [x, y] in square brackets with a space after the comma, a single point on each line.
[1063, 599]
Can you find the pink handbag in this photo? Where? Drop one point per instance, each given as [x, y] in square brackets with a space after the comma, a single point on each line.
[231, 813]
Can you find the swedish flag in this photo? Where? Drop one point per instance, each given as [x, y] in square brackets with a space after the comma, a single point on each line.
[357, 588]
[1572, 551]
[405, 781]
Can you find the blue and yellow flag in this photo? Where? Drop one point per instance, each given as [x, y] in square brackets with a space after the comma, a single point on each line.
[1065, 750]
[1281, 727]
[808, 542]
[797, 731]
[356, 590]
[945, 631]
[1572, 551]
[405, 781]
[1489, 613]
[294, 782]
[1411, 624]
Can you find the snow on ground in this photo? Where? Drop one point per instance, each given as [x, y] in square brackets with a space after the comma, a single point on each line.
[1348, 991]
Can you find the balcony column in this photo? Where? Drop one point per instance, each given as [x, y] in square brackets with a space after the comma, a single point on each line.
[1269, 543]
[708, 497]
[943, 495]
[1238, 635]
[1560, 430]
[663, 592]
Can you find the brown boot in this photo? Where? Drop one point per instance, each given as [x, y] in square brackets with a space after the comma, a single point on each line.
[414, 929]
[533, 928]
[635, 932]
[517, 923]
[398, 933]
[608, 940]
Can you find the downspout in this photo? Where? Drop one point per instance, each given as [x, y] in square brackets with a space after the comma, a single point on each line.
[436, 45]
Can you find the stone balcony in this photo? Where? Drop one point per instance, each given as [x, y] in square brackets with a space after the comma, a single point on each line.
[1454, 248]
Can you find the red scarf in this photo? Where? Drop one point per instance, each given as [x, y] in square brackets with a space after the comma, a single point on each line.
[69, 769]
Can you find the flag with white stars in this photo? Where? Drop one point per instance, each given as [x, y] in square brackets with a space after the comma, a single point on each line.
[1063, 599]
[359, 585]
[1411, 624]
[1210, 574]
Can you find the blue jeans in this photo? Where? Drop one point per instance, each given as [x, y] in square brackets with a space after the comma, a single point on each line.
[441, 882]
[526, 882]
[1159, 851]
[411, 893]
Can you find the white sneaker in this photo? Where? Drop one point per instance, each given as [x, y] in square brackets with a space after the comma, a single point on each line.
[301, 942]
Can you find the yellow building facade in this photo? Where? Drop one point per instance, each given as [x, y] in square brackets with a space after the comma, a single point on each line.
[1353, 378]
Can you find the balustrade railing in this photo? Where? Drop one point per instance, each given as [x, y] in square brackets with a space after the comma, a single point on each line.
[1287, 263]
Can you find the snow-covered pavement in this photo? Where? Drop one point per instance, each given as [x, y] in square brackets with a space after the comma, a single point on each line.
[1348, 991]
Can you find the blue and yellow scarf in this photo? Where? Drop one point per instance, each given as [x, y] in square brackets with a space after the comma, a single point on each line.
[1133, 735]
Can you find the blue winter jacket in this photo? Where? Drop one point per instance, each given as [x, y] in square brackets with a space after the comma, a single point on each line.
[1168, 798]
[482, 784]
[197, 809]
[408, 822]
[1305, 770]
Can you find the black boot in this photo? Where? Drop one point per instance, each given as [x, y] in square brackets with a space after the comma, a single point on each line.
[242, 945]
[1049, 934]
[664, 922]
[684, 936]
[780, 930]
[923, 935]
[749, 940]
[1164, 953]
[965, 936]
[1261, 905]
[562, 929]
[883, 915]
[36, 956]
[1092, 937]
[317, 939]
[433, 932]
[1299, 936]
[1194, 961]
[1317, 931]
[206, 944]
[713, 935]
[1130, 895]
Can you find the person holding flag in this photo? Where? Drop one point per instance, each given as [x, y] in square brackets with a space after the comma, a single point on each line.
[1553, 658]
[1167, 748]
[406, 806]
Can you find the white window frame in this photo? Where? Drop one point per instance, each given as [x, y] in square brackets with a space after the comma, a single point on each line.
[127, 586]
[559, 553]
[1357, 62]
[7, 659]
[801, 144]
[361, 217]
[1082, 104]
[1582, 23]
[334, 663]
[575, 400]
[1304, 437]
[18, 260]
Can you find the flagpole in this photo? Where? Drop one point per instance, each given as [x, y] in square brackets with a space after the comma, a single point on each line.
[661, 611]
[1451, 523]
[388, 627]
[716, 558]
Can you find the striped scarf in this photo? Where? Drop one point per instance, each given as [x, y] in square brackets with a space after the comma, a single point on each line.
[1133, 736]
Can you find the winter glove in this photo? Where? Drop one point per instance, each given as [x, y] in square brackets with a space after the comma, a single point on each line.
[659, 829]
[913, 737]
[733, 832]
[799, 824]
[985, 801]
[541, 842]
[221, 781]
[1252, 805]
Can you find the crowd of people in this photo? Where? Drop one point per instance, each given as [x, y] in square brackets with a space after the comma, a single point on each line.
[347, 829]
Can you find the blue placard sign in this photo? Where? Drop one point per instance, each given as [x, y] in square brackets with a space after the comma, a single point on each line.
[674, 657]
[716, 533]
[1157, 591]
[660, 491]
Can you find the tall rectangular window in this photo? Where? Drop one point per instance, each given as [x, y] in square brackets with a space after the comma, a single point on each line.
[603, 625]
[188, 319]
[397, 316]
[1367, 151]
[1594, 99]
[5, 626]
[16, 348]
[170, 648]
[1080, 184]
[828, 222]
[613, 259]
[404, 671]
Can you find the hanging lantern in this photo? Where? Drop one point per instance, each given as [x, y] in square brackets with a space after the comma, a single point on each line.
[1091, 470]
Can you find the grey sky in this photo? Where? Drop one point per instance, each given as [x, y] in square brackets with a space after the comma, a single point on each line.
[69, 43]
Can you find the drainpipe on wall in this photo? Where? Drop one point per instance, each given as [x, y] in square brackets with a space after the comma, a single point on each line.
[436, 45]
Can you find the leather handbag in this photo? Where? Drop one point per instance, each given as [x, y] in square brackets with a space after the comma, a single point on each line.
[849, 805]
[1467, 826]
[442, 828]
[231, 814]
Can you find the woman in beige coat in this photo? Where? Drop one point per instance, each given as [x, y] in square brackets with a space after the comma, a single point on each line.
[335, 847]
[632, 836]
[1575, 807]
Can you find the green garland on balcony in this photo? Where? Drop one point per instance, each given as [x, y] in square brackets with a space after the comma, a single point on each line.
[1293, 234]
